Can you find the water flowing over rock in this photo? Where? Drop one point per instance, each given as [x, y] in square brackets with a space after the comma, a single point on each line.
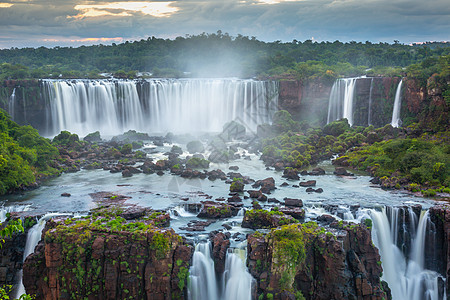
[158, 105]
[341, 100]
[315, 264]
[104, 264]
[396, 122]
[205, 284]
[401, 236]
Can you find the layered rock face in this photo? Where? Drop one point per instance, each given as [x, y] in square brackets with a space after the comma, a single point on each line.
[12, 258]
[97, 258]
[426, 102]
[305, 100]
[437, 255]
[297, 261]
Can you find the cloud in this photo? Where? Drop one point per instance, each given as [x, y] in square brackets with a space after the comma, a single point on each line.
[45, 22]
[124, 9]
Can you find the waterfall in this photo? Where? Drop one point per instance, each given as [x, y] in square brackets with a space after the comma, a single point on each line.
[236, 283]
[4, 210]
[202, 277]
[11, 104]
[396, 122]
[340, 104]
[33, 238]
[369, 116]
[158, 105]
[407, 278]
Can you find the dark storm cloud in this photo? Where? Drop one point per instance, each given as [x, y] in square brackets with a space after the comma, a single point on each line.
[29, 23]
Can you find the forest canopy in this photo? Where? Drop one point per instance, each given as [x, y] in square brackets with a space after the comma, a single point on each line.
[215, 55]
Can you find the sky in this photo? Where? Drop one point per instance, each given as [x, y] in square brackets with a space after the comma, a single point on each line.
[49, 23]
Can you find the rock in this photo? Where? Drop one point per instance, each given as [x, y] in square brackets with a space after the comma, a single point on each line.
[310, 190]
[295, 212]
[116, 264]
[273, 200]
[293, 202]
[234, 168]
[126, 173]
[237, 186]
[291, 174]
[216, 210]
[220, 246]
[234, 198]
[259, 218]
[326, 219]
[65, 195]
[226, 226]
[317, 171]
[319, 190]
[284, 184]
[308, 183]
[266, 185]
[195, 147]
[339, 267]
[342, 172]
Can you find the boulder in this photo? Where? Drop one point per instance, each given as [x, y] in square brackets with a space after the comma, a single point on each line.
[293, 202]
[307, 183]
[291, 174]
[266, 185]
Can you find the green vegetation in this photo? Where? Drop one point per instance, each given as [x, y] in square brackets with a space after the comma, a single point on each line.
[422, 161]
[170, 58]
[76, 237]
[12, 227]
[197, 163]
[237, 185]
[302, 148]
[289, 252]
[24, 155]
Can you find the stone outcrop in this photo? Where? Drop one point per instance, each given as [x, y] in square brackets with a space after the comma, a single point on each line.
[220, 243]
[437, 252]
[260, 218]
[303, 260]
[12, 258]
[102, 258]
[217, 210]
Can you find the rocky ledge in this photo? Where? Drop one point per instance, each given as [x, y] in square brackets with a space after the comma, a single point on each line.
[304, 261]
[105, 256]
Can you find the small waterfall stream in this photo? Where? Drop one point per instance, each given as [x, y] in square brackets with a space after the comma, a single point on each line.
[202, 277]
[405, 272]
[369, 115]
[396, 122]
[12, 104]
[33, 238]
[204, 284]
[341, 100]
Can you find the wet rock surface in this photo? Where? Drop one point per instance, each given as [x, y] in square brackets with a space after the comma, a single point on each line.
[110, 261]
[326, 268]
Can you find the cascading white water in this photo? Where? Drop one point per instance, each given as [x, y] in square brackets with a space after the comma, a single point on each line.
[180, 211]
[202, 277]
[4, 210]
[407, 278]
[159, 105]
[396, 122]
[341, 100]
[12, 104]
[236, 283]
[33, 238]
[369, 115]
